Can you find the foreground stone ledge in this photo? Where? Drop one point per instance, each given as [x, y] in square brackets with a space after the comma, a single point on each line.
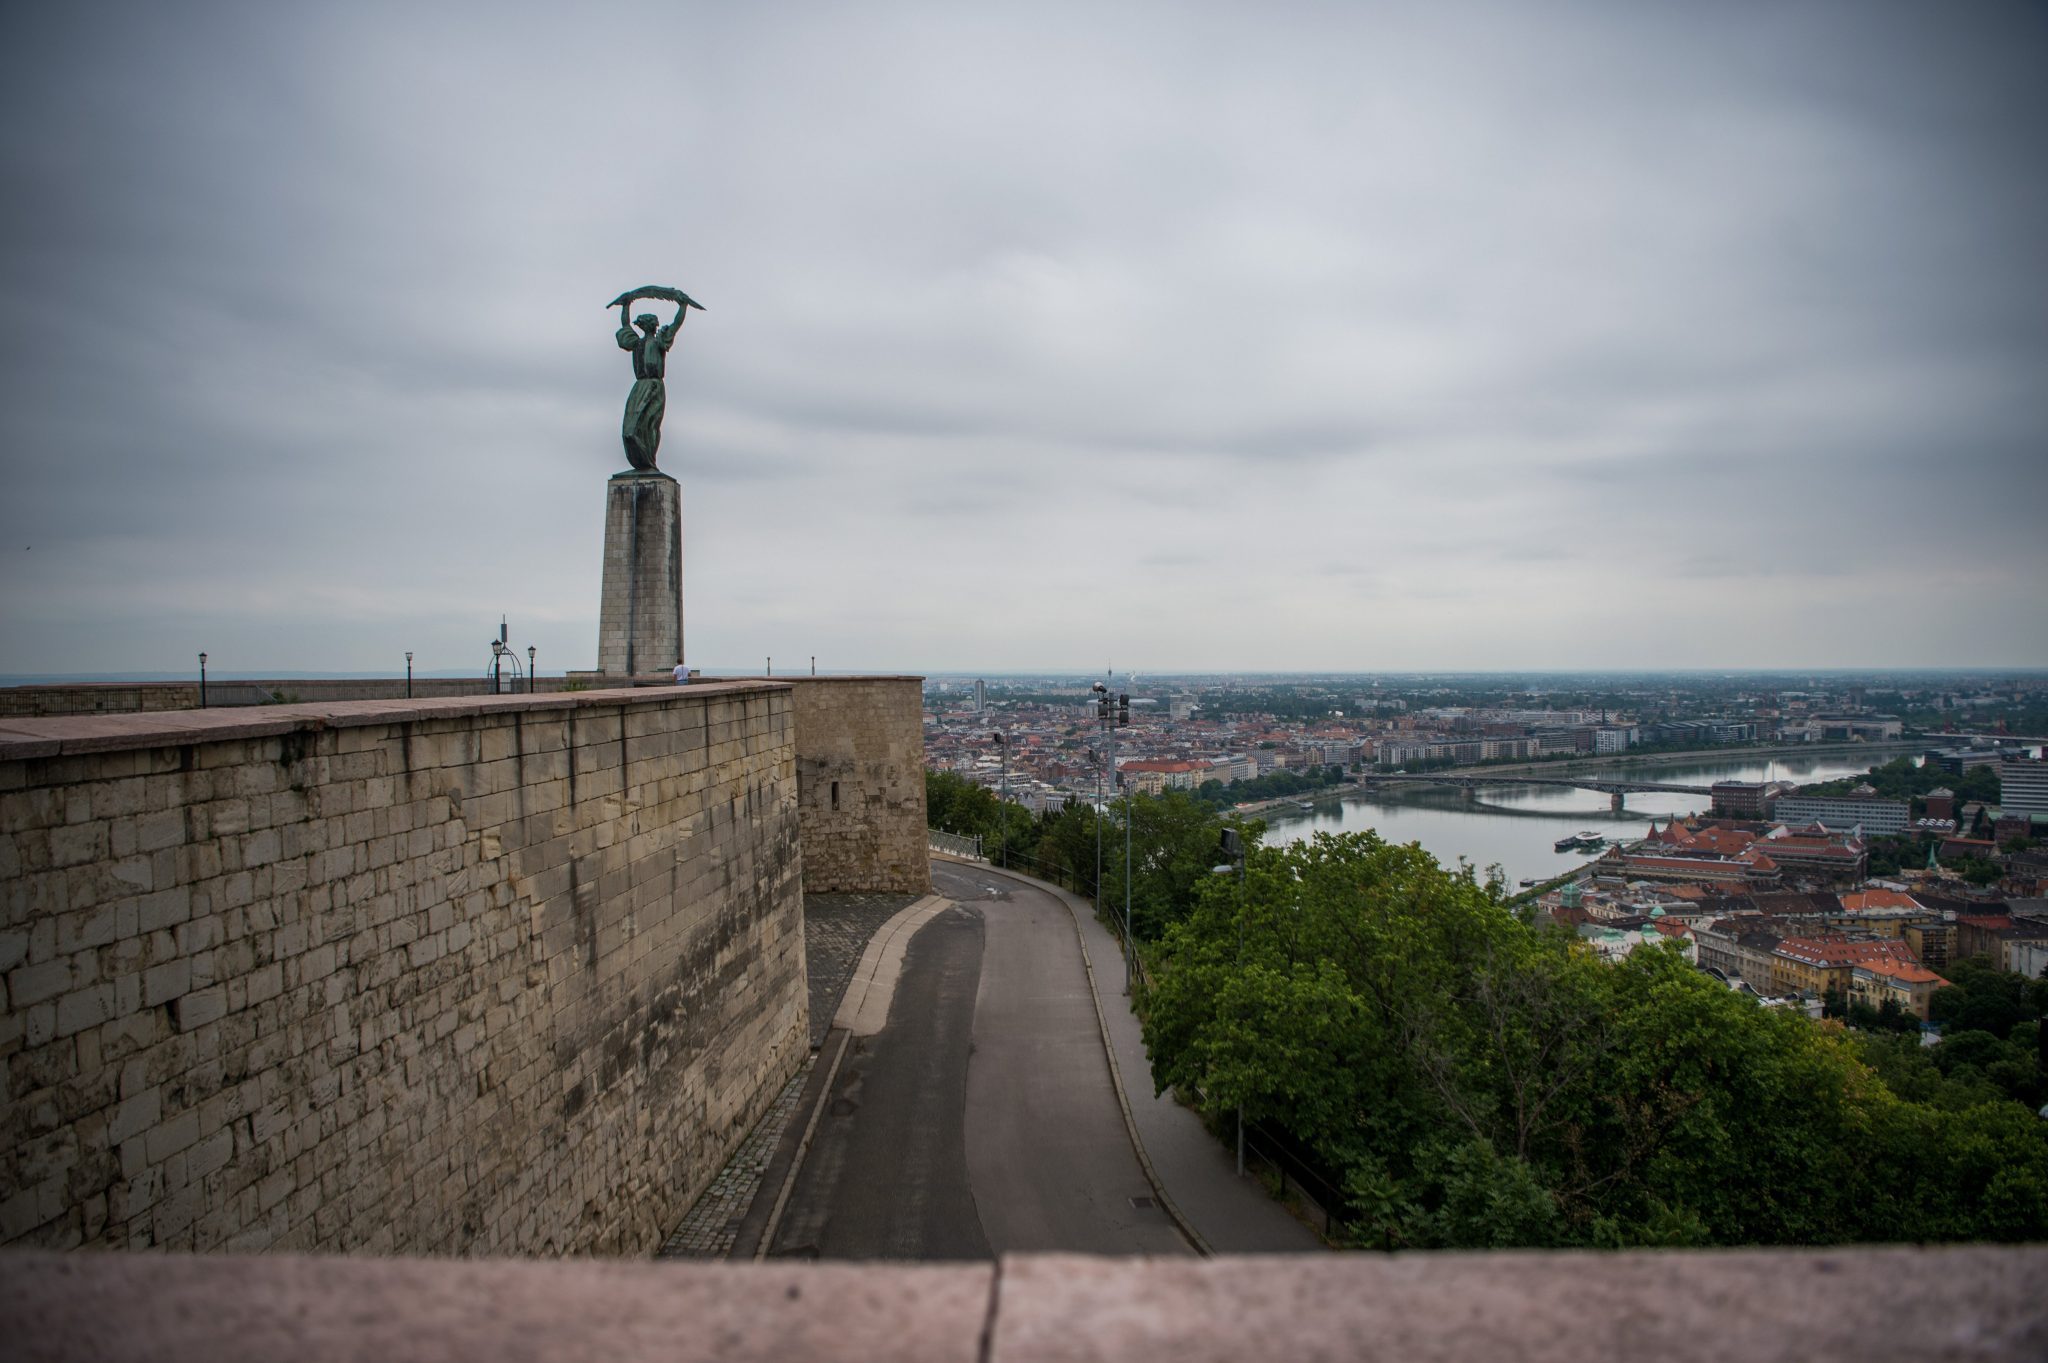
[1758, 1306]
[219, 1308]
[1867, 1305]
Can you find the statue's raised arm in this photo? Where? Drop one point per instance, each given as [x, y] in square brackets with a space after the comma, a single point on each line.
[641, 429]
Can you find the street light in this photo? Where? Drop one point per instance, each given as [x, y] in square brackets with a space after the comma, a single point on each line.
[408, 674]
[1095, 894]
[202, 681]
[1004, 749]
[530, 652]
[1115, 712]
[1233, 848]
[1108, 764]
[1130, 946]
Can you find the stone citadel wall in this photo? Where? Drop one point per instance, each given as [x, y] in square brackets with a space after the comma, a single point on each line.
[866, 733]
[479, 976]
[860, 783]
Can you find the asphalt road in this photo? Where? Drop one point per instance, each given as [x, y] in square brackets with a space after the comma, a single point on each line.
[1048, 1155]
[982, 1118]
[886, 1177]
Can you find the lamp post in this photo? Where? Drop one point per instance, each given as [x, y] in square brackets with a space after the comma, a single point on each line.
[1103, 715]
[1004, 749]
[1115, 712]
[531, 652]
[408, 674]
[1095, 894]
[1233, 848]
[1130, 947]
[202, 681]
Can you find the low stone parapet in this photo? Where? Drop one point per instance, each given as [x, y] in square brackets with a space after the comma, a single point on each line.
[1855, 1305]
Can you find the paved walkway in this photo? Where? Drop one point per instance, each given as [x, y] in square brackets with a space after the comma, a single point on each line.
[1199, 1176]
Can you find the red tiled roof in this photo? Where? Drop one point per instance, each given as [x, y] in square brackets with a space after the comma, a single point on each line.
[1838, 952]
[1905, 972]
[1862, 900]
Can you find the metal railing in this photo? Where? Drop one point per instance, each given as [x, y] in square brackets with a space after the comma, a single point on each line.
[954, 844]
[1299, 1174]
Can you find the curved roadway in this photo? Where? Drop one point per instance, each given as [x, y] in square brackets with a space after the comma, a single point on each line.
[982, 1119]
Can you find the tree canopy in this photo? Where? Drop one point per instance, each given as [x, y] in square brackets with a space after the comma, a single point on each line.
[1904, 779]
[1473, 1082]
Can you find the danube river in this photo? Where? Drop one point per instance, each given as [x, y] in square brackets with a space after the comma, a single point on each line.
[1516, 826]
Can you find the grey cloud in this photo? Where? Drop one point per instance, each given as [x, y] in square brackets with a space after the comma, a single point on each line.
[299, 311]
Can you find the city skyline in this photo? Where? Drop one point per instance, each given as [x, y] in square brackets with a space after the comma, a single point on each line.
[1323, 339]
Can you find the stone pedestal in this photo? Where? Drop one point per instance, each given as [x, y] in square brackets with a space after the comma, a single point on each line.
[640, 623]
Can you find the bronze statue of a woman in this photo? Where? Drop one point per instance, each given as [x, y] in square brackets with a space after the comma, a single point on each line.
[641, 428]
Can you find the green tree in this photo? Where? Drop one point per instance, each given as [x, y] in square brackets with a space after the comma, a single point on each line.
[1470, 1081]
[1981, 998]
[1172, 849]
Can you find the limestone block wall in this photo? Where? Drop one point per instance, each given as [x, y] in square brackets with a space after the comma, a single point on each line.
[860, 783]
[473, 976]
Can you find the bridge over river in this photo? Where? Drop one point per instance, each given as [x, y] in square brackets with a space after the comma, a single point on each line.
[1614, 787]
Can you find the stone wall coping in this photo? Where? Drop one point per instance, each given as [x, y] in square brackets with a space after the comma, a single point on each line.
[22, 739]
[1870, 1305]
[803, 678]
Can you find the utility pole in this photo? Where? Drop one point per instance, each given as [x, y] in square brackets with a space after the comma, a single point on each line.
[1004, 749]
[1105, 762]
[1115, 712]
[1233, 850]
[1123, 717]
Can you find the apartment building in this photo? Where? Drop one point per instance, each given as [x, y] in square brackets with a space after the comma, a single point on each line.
[1875, 815]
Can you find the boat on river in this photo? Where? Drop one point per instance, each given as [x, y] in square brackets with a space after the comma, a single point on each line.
[1586, 840]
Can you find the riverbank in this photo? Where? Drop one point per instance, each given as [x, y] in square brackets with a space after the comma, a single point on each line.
[1882, 752]
[1879, 754]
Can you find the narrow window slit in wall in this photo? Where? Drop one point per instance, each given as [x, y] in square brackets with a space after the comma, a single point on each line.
[835, 795]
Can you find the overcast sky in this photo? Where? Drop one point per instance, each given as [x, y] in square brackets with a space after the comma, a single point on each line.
[1193, 336]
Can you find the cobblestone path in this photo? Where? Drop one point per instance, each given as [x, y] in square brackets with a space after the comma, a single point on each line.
[836, 931]
[708, 1231]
